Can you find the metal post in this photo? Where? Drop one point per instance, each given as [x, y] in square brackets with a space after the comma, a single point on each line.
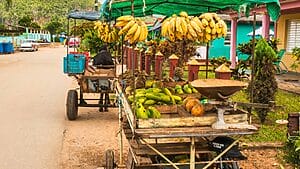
[207, 52]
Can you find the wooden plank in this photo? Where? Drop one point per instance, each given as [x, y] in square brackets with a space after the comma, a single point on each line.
[189, 132]
[206, 120]
[142, 160]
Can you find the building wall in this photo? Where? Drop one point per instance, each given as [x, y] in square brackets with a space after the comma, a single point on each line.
[282, 36]
[218, 49]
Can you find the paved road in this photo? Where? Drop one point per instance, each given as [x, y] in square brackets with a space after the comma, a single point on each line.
[32, 107]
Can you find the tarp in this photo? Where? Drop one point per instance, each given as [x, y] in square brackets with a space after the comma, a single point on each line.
[86, 15]
[258, 32]
[193, 7]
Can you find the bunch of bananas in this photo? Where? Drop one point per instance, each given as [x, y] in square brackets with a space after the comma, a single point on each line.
[204, 28]
[134, 29]
[213, 27]
[106, 33]
[180, 27]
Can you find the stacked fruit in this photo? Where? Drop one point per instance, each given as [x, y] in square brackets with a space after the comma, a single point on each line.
[193, 106]
[204, 28]
[214, 27]
[106, 33]
[134, 29]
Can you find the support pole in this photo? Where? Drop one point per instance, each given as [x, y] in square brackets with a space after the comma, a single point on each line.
[266, 26]
[253, 55]
[193, 152]
[233, 42]
[206, 68]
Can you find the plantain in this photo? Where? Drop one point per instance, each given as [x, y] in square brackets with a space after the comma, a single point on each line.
[192, 31]
[183, 14]
[195, 26]
[204, 22]
[137, 34]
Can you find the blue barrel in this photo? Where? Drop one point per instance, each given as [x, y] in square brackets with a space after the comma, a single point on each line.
[1, 48]
[7, 47]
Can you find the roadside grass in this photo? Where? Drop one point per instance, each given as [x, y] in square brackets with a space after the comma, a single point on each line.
[271, 131]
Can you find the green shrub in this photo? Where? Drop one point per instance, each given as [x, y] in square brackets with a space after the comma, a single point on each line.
[292, 151]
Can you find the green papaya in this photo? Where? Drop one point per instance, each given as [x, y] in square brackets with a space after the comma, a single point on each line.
[149, 102]
[177, 87]
[157, 84]
[156, 90]
[166, 99]
[155, 113]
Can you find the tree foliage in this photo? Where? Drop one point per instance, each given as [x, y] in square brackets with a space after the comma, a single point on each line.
[264, 83]
[42, 11]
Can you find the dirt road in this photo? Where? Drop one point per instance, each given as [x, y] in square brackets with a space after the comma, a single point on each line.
[32, 105]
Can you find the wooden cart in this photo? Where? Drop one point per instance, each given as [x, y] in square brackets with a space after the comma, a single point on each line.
[154, 143]
[89, 83]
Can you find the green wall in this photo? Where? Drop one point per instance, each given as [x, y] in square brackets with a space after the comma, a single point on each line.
[218, 49]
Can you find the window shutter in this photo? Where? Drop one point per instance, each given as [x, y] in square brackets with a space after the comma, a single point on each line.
[293, 34]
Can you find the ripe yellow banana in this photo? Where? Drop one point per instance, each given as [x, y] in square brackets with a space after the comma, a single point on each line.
[133, 29]
[208, 36]
[195, 26]
[127, 27]
[137, 34]
[183, 14]
[213, 31]
[178, 25]
[164, 28]
[121, 23]
[144, 32]
[191, 31]
[183, 26]
[212, 23]
[207, 29]
[125, 18]
[198, 22]
[204, 22]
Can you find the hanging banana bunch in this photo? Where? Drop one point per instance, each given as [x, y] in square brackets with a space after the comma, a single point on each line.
[213, 26]
[182, 27]
[106, 33]
[134, 29]
[205, 28]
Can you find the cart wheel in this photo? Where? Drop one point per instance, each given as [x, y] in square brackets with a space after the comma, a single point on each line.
[72, 105]
[109, 157]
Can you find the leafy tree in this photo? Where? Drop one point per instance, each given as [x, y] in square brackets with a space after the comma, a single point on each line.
[54, 27]
[264, 82]
[25, 21]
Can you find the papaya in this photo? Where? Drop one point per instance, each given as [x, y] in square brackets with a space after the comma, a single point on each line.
[179, 91]
[140, 95]
[140, 91]
[190, 104]
[187, 99]
[156, 90]
[141, 100]
[197, 110]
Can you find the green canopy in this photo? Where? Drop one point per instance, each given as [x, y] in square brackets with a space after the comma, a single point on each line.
[193, 7]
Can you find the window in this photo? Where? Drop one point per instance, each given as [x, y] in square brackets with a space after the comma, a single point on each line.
[293, 34]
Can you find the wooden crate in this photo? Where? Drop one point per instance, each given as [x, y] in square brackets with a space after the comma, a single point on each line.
[176, 116]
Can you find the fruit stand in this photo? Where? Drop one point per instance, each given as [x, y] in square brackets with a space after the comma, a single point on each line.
[170, 122]
[175, 124]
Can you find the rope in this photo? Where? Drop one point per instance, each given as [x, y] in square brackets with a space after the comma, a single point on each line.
[144, 7]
